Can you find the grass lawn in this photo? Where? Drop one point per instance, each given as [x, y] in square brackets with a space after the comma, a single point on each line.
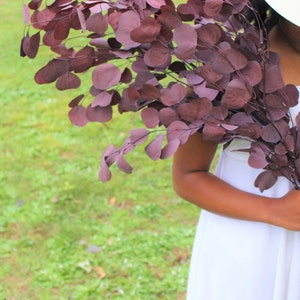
[63, 234]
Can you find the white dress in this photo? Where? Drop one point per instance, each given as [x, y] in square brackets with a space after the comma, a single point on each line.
[242, 260]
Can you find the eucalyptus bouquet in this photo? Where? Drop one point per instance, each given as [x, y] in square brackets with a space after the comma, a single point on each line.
[199, 66]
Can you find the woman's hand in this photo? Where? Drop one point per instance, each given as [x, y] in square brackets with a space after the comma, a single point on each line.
[285, 211]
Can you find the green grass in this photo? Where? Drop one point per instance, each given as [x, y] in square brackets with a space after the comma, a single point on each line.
[60, 228]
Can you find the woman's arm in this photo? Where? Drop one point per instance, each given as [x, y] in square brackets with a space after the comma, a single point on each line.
[193, 182]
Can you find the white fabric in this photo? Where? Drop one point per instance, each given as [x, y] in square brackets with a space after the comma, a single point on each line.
[241, 260]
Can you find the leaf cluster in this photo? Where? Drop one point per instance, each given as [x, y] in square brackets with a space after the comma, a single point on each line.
[199, 66]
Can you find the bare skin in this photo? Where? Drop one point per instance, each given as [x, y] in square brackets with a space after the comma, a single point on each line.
[193, 181]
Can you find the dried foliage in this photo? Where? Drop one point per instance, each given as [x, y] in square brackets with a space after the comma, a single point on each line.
[198, 66]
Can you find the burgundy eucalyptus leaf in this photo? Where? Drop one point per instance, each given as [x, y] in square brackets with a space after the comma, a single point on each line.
[170, 148]
[127, 22]
[297, 165]
[178, 130]
[203, 91]
[126, 76]
[153, 149]
[252, 73]
[167, 115]
[209, 35]
[30, 45]
[68, 81]
[83, 59]
[207, 72]
[186, 38]
[265, 180]
[291, 93]
[298, 120]
[156, 3]
[99, 114]
[113, 19]
[62, 29]
[104, 173]
[194, 110]
[123, 165]
[50, 40]
[81, 19]
[41, 19]
[150, 117]
[97, 23]
[213, 132]
[273, 79]
[280, 149]
[74, 102]
[212, 7]
[147, 32]
[35, 4]
[173, 95]
[77, 116]
[103, 99]
[138, 136]
[26, 14]
[236, 94]
[105, 76]
[257, 158]
[157, 56]
[169, 17]
[149, 92]
[54, 69]
[274, 132]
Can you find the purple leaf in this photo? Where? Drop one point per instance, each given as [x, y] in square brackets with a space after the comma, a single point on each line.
[186, 38]
[128, 21]
[97, 23]
[105, 76]
[26, 14]
[194, 110]
[236, 94]
[153, 149]
[265, 180]
[147, 32]
[77, 116]
[156, 3]
[169, 17]
[212, 7]
[123, 165]
[108, 158]
[167, 115]
[208, 35]
[99, 114]
[103, 99]
[170, 148]
[138, 136]
[150, 117]
[213, 132]
[173, 95]
[273, 79]
[54, 69]
[257, 158]
[30, 45]
[67, 81]
[178, 130]
[74, 102]
[252, 73]
[157, 56]
[83, 59]
[62, 29]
